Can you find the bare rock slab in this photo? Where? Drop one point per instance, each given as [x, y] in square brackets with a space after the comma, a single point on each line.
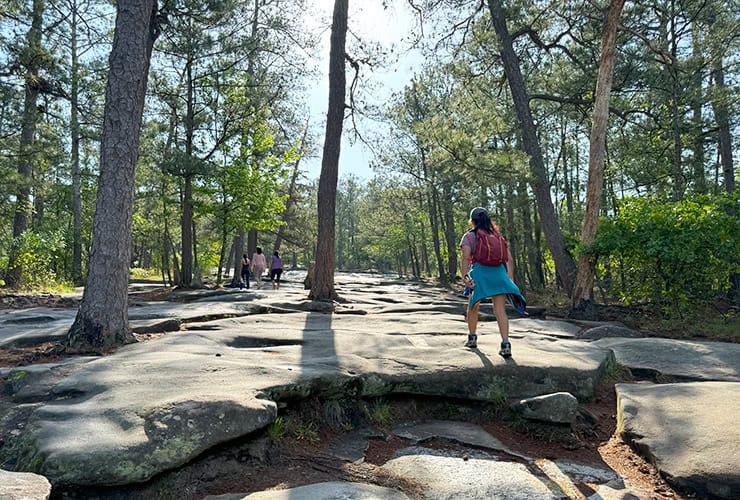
[460, 432]
[444, 476]
[618, 490]
[321, 491]
[23, 486]
[678, 358]
[688, 430]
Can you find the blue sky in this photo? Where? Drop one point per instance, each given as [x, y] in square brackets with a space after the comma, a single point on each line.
[371, 22]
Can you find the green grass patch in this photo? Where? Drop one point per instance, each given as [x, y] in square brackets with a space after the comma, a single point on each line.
[306, 431]
[277, 430]
[379, 414]
[139, 273]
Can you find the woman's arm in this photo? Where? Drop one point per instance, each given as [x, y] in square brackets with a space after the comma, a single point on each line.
[510, 266]
[465, 265]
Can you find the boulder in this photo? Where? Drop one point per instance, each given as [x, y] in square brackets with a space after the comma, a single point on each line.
[689, 431]
[23, 486]
[559, 408]
[683, 359]
[445, 475]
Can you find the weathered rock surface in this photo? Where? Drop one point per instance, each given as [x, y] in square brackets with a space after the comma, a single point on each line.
[460, 432]
[321, 491]
[618, 490]
[23, 486]
[560, 407]
[586, 473]
[162, 402]
[688, 430]
[609, 331]
[678, 358]
[550, 328]
[445, 475]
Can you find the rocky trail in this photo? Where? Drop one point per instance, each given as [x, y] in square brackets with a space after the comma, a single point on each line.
[261, 393]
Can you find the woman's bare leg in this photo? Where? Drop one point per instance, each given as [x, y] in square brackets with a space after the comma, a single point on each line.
[472, 317]
[499, 310]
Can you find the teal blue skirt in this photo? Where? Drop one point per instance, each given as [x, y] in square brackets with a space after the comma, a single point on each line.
[493, 280]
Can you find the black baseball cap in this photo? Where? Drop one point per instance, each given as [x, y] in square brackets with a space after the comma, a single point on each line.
[476, 212]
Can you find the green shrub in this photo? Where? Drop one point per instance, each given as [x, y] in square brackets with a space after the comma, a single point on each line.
[41, 264]
[674, 255]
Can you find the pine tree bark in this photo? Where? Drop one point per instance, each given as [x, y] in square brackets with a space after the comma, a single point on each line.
[322, 287]
[582, 299]
[722, 117]
[75, 144]
[448, 218]
[102, 320]
[700, 181]
[186, 223]
[238, 252]
[30, 117]
[564, 264]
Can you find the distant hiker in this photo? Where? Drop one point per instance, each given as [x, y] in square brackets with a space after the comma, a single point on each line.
[276, 269]
[488, 269]
[258, 266]
[244, 272]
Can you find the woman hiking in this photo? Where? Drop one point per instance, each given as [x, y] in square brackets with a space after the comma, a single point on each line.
[487, 269]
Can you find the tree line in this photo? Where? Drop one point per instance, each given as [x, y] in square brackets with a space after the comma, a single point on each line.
[193, 148]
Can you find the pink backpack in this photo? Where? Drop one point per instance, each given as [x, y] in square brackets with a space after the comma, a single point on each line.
[490, 249]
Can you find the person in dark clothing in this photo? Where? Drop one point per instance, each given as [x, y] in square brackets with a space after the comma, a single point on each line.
[244, 272]
[276, 269]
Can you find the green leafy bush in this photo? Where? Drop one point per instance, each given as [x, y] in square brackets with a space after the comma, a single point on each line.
[674, 255]
[39, 255]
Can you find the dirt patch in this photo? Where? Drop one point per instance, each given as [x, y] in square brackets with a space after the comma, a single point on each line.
[48, 352]
[51, 352]
[379, 451]
[29, 300]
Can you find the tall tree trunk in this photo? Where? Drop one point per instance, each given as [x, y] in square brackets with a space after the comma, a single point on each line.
[511, 232]
[567, 185]
[700, 180]
[582, 299]
[450, 236]
[196, 268]
[722, 117]
[238, 252]
[432, 203]
[75, 138]
[26, 151]
[186, 224]
[102, 320]
[166, 245]
[535, 275]
[720, 94]
[222, 254]
[564, 264]
[291, 193]
[679, 182]
[423, 237]
[539, 258]
[252, 236]
[323, 284]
